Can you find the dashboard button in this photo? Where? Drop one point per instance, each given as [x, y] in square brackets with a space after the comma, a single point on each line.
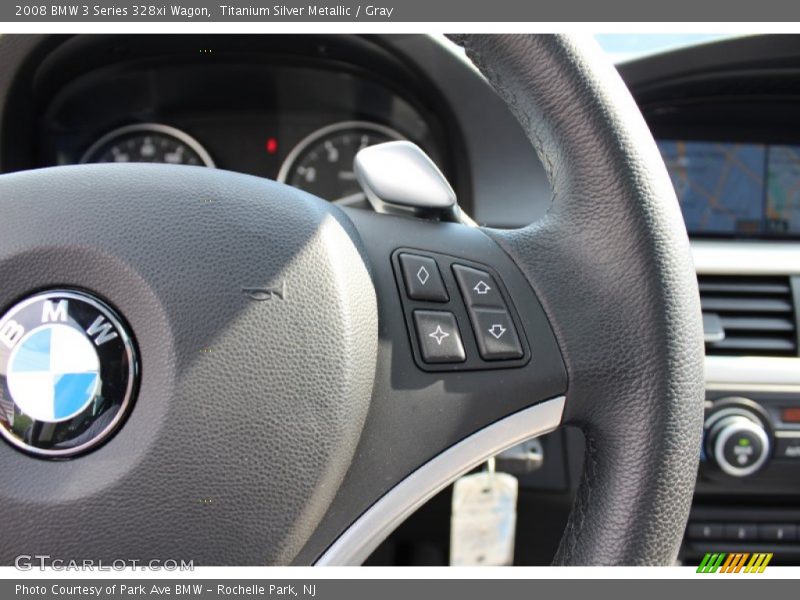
[787, 447]
[777, 532]
[743, 449]
[495, 333]
[478, 287]
[422, 278]
[438, 335]
[705, 531]
[737, 441]
[742, 532]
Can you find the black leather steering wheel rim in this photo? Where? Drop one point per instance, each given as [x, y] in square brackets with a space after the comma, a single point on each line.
[612, 266]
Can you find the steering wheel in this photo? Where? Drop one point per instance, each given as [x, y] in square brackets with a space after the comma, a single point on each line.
[299, 389]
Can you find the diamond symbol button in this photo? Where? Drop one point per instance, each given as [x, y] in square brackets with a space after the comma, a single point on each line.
[423, 275]
[422, 278]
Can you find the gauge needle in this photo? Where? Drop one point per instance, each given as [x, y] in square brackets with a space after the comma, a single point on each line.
[356, 198]
[347, 176]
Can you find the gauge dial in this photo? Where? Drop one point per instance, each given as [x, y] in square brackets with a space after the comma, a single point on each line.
[322, 163]
[149, 143]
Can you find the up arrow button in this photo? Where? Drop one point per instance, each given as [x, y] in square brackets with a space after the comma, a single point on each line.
[478, 287]
[482, 288]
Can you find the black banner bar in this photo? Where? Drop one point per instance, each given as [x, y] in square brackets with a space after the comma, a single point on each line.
[741, 587]
[474, 11]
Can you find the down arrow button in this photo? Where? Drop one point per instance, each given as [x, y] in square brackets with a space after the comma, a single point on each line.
[494, 331]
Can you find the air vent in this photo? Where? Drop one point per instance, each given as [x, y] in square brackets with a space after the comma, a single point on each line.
[751, 316]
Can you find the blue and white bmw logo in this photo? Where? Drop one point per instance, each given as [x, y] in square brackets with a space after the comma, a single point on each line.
[67, 373]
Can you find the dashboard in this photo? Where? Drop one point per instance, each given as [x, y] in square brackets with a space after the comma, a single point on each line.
[297, 108]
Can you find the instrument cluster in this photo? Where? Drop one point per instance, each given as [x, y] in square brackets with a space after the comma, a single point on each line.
[299, 120]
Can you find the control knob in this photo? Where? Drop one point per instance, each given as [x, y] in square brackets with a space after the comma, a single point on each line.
[737, 440]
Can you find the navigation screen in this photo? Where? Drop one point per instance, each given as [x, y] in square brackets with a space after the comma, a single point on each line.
[736, 189]
[720, 186]
[783, 190]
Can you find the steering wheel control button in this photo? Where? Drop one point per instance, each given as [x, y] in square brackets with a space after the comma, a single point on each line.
[427, 282]
[67, 373]
[438, 335]
[478, 287]
[494, 331]
[422, 278]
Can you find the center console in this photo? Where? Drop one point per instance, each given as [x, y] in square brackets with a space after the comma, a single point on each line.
[748, 488]
[749, 479]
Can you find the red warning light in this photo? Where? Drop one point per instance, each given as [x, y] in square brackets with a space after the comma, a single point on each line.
[791, 415]
[271, 145]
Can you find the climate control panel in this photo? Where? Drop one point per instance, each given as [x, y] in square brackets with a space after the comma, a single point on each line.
[751, 443]
[748, 486]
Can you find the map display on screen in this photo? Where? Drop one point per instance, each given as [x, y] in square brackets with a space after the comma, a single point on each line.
[737, 189]
[720, 186]
[783, 190]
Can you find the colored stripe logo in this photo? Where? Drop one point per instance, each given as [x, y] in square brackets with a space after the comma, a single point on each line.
[734, 562]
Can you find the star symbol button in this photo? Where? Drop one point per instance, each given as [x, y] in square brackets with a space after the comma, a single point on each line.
[439, 335]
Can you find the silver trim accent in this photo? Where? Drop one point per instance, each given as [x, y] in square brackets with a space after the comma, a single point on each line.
[746, 258]
[290, 159]
[179, 135]
[371, 528]
[752, 387]
[752, 371]
[133, 371]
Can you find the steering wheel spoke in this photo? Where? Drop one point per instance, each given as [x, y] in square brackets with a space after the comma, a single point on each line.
[463, 344]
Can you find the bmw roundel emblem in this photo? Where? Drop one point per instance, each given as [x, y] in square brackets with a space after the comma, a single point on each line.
[67, 373]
